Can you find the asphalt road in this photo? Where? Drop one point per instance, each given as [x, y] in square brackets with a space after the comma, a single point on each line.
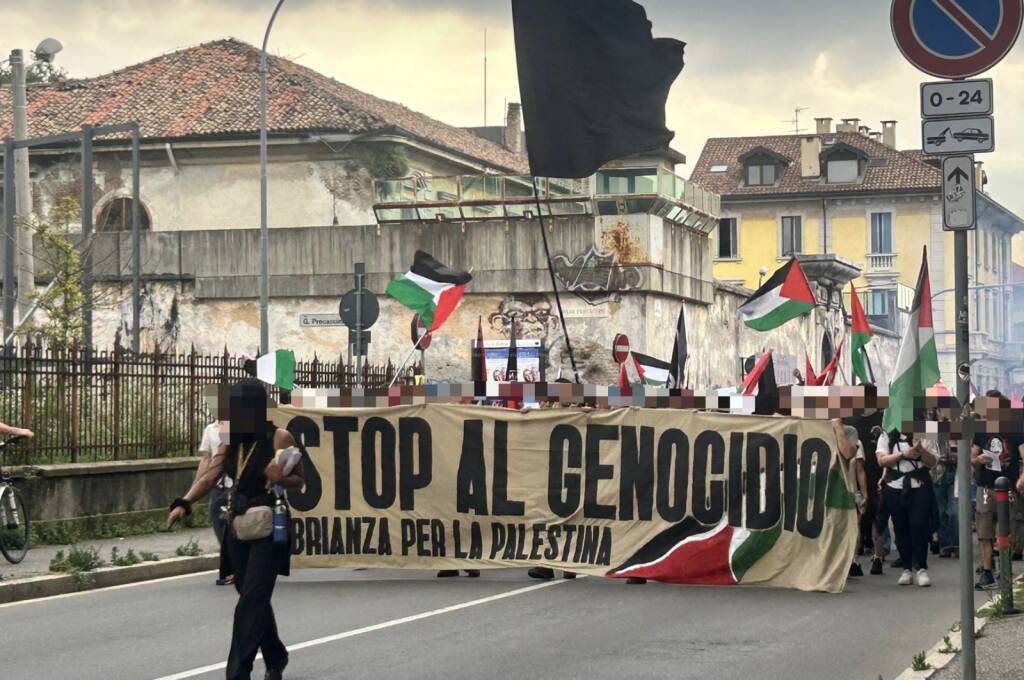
[395, 625]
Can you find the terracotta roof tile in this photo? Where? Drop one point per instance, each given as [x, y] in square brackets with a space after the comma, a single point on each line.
[211, 90]
[887, 170]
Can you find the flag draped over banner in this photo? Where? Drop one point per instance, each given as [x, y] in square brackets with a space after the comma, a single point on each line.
[277, 368]
[860, 336]
[430, 289]
[680, 353]
[784, 296]
[593, 83]
[917, 365]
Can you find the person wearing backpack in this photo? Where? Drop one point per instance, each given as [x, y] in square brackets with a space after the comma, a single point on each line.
[909, 499]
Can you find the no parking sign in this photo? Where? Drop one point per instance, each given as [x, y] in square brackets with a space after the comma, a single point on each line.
[954, 38]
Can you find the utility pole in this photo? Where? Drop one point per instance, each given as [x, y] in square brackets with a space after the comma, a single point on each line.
[24, 258]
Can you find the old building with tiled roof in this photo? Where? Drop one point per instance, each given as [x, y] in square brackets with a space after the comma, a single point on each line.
[848, 192]
[198, 116]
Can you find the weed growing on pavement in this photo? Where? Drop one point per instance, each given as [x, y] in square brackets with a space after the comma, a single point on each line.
[126, 560]
[148, 556]
[919, 663]
[76, 560]
[190, 549]
[947, 646]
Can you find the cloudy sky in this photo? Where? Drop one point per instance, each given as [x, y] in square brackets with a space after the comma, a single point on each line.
[749, 63]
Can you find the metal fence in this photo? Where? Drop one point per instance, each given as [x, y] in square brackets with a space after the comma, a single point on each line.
[115, 405]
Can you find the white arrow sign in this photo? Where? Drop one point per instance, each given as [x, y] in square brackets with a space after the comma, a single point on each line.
[958, 193]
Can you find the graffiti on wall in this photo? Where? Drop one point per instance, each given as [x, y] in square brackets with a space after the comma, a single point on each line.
[596, 276]
[533, 315]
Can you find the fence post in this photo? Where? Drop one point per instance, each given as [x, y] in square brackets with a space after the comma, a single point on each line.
[27, 381]
[74, 402]
[1003, 544]
[315, 370]
[192, 395]
[115, 377]
[155, 414]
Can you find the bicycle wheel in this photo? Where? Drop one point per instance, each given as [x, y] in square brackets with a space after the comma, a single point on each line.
[13, 525]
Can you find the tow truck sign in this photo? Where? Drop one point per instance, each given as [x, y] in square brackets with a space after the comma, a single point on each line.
[954, 136]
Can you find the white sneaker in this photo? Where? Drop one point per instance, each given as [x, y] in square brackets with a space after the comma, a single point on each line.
[923, 579]
[906, 578]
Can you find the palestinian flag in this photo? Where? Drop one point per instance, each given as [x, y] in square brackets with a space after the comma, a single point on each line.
[860, 336]
[690, 552]
[828, 375]
[917, 365]
[783, 297]
[654, 372]
[430, 289]
[277, 368]
[810, 375]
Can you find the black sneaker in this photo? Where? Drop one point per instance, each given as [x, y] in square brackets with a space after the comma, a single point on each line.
[985, 581]
[855, 570]
[568, 574]
[876, 566]
[934, 547]
[473, 573]
[447, 573]
[636, 581]
[543, 573]
[1017, 557]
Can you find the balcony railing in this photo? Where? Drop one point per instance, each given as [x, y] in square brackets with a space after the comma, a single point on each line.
[881, 262]
[482, 197]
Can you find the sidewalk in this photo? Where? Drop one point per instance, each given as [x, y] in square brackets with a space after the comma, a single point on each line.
[998, 651]
[164, 544]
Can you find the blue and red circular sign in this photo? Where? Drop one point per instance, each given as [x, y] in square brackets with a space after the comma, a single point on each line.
[956, 38]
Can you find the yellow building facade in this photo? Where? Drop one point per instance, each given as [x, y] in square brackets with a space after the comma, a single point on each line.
[848, 192]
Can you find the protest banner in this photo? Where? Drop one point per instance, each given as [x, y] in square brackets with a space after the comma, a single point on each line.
[677, 496]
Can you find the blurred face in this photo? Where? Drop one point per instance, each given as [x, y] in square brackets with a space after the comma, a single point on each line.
[247, 411]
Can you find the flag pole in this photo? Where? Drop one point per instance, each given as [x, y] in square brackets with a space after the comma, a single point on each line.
[398, 371]
[554, 284]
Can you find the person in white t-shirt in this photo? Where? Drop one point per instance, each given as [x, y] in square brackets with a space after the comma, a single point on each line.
[208, 447]
[908, 497]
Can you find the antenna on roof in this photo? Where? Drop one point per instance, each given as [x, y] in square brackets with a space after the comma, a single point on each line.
[795, 122]
[485, 76]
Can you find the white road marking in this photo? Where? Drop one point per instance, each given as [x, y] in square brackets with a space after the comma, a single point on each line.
[94, 591]
[377, 626]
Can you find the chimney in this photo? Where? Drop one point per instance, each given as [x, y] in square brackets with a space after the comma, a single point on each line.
[864, 130]
[824, 125]
[889, 133]
[876, 137]
[513, 136]
[810, 149]
[848, 125]
[980, 178]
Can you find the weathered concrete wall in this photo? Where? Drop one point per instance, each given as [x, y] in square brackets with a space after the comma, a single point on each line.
[69, 491]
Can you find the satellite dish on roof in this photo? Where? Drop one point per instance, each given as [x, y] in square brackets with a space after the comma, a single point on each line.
[47, 50]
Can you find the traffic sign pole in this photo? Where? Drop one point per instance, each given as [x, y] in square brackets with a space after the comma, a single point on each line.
[360, 273]
[963, 456]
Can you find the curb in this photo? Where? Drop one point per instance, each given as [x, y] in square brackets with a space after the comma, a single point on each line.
[62, 584]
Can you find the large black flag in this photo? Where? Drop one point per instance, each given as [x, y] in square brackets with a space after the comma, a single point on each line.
[767, 400]
[593, 82]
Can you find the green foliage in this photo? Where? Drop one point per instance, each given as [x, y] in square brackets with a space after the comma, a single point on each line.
[947, 646]
[70, 531]
[126, 560]
[147, 556]
[190, 549]
[63, 303]
[383, 160]
[919, 663]
[76, 560]
[34, 73]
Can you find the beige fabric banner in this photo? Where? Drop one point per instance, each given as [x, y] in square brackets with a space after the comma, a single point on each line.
[676, 496]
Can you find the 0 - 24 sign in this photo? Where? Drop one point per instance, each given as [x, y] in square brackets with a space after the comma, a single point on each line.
[958, 98]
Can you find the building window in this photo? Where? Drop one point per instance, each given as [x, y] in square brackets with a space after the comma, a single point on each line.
[881, 233]
[728, 244]
[117, 216]
[843, 171]
[624, 181]
[880, 307]
[760, 174]
[792, 236]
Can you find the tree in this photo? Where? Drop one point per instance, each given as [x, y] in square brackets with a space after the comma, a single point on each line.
[40, 72]
[62, 304]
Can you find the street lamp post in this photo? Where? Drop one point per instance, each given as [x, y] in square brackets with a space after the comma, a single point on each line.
[264, 240]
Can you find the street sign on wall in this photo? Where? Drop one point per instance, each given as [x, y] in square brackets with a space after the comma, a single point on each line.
[955, 39]
[958, 193]
[320, 320]
[947, 99]
[953, 136]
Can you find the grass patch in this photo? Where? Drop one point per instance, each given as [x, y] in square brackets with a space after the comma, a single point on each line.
[120, 525]
[190, 549]
[919, 663]
[76, 560]
[127, 560]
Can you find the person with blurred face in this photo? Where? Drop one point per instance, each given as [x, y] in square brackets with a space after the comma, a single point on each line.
[251, 471]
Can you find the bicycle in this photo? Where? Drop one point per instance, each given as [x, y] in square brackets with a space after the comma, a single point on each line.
[13, 513]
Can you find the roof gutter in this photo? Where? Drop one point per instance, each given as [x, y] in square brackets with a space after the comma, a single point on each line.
[761, 198]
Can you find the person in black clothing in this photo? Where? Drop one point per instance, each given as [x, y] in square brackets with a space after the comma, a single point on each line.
[248, 464]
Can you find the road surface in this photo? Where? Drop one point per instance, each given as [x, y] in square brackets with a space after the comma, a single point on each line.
[391, 625]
